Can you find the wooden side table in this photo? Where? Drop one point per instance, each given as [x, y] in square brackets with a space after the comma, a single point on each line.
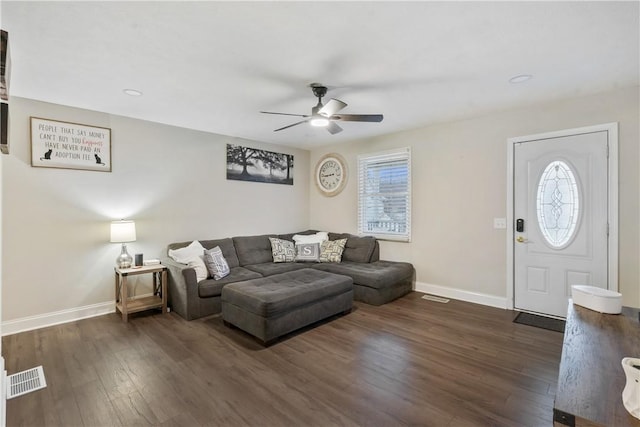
[126, 305]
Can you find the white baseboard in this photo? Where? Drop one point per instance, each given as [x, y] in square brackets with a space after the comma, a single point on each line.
[57, 317]
[460, 294]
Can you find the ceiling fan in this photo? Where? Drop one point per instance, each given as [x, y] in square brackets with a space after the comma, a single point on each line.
[325, 115]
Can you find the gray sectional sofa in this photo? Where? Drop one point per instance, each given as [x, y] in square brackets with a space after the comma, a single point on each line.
[250, 257]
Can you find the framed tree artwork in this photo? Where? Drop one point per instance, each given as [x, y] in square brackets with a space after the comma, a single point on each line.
[253, 164]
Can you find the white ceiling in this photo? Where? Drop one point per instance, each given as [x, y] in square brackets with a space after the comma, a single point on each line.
[213, 66]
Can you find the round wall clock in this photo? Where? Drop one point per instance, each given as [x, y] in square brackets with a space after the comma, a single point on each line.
[331, 174]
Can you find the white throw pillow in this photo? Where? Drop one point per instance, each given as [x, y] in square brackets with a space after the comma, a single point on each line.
[191, 255]
[197, 263]
[319, 237]
[183, 255]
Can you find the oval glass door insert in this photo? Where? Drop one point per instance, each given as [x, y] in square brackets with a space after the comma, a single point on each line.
[558, 203]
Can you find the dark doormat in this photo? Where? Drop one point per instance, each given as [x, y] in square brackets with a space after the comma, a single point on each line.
[540, 321]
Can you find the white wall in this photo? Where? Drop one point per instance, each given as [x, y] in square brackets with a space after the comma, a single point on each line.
[171, 181]
[459, 173]
[3, 377]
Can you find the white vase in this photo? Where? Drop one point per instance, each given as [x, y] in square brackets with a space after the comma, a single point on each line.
[631, 392]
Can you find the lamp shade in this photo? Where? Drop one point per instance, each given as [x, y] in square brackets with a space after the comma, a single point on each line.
[123, 231]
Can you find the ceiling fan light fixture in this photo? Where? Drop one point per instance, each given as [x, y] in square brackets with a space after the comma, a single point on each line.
[325, 115]
[319, 122]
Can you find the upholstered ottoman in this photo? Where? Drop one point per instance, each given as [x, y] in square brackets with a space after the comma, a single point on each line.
[270, 307]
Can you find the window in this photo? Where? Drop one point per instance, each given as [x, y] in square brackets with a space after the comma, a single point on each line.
[558, 204]
[384, 194]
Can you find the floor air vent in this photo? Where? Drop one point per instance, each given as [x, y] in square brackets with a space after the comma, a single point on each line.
[435, 298]
[25, 382]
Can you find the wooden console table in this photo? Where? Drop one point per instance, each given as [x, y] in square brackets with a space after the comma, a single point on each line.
[591, 379]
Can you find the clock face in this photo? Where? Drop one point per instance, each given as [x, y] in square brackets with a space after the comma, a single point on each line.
[330, 175]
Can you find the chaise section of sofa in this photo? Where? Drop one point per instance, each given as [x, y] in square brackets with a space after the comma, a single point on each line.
[375, 282]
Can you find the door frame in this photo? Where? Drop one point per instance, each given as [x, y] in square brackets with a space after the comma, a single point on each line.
[612, 209]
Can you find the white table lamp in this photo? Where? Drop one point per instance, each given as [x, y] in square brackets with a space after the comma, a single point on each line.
[122, 232]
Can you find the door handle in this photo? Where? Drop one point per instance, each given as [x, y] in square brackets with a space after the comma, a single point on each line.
[521, 239]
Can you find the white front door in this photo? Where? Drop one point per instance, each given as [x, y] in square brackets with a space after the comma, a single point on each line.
[560, 218]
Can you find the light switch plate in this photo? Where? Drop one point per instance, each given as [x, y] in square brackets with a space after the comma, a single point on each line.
[499, 222]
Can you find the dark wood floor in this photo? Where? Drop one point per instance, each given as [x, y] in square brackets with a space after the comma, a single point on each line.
[410, 362]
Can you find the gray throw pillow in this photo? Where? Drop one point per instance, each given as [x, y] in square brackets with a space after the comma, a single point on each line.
[216, 264]
[308, 252]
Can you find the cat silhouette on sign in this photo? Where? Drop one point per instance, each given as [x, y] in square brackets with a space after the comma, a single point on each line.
[47, 155]
[98, 160]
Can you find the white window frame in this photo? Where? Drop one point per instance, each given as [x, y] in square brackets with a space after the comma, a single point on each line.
[364, 162]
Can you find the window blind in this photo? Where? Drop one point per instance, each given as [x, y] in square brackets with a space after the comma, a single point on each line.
[384, 194]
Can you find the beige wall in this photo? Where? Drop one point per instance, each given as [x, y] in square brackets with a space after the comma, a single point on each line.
[170, 180]
[459, 173]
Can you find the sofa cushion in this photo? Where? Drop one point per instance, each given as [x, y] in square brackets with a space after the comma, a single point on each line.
[331, 250]
[271, 268]
[227, 248]
[216, 264]
[253, 249]
[213, 288]
[357, 249]
[378, 275]
[282, 250]
[275, 295]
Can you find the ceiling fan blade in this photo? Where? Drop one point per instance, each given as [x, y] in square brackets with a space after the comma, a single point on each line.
[285, 114]
[332, 107]
[333, 128]
[295, 124]
[357, 117]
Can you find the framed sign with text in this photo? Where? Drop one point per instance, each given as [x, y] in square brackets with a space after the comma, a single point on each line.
[65, 145]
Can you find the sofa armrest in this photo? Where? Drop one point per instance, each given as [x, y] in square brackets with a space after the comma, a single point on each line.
[182, 288]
